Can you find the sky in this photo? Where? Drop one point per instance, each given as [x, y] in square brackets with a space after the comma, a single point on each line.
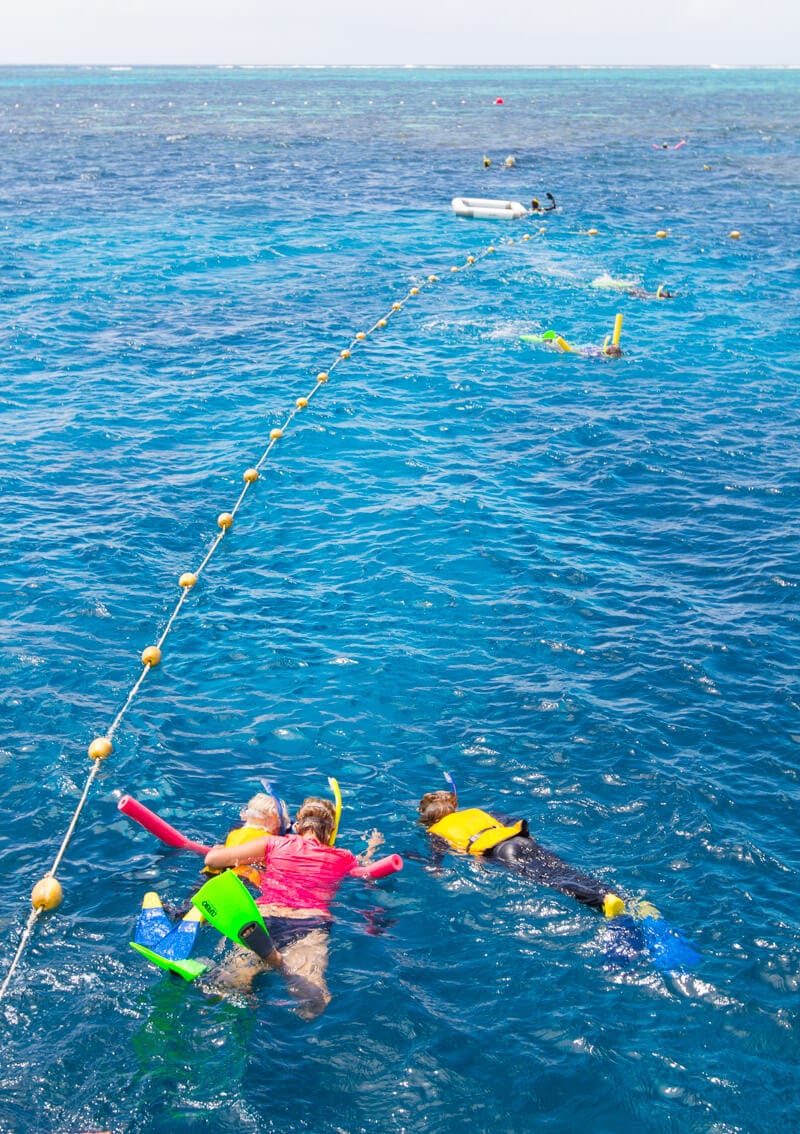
[411, 32]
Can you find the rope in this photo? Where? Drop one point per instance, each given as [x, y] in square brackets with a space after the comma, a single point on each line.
[47, 892]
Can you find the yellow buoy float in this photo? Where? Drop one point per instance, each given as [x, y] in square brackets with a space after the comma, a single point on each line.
[47, 893]
[100, 748]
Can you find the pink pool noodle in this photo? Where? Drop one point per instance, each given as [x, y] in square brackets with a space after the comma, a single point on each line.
[151, 822]
[380, 869]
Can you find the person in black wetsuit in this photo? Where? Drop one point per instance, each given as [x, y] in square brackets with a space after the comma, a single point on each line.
[473, 831]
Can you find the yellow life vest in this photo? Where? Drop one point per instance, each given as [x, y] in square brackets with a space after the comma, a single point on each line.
[473, 831]
[245, 835]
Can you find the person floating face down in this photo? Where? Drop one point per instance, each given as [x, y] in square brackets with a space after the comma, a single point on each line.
[300, 874]
[474, 831]
[642, 293]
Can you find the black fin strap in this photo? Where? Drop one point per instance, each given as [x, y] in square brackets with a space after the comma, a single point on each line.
[256, 938]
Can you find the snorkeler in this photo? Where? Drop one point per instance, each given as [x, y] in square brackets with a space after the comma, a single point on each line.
[629, 286]
[609, 349]
[473, 831]
[264, 814]
[642, 293]
[536, 207]
[553, 339]
[300, 874]
[634, 925]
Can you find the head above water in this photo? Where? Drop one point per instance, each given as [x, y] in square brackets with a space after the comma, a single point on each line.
[316, 817]
[435, 805]
[266, 811]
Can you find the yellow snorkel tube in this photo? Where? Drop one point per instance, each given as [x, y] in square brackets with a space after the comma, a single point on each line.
[337, 798]
[615, 336]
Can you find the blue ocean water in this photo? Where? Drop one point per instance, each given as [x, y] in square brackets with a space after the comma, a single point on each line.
[570, 582]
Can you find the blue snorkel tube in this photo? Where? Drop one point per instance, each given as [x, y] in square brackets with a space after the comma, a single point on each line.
[280, 807]
[451, 783]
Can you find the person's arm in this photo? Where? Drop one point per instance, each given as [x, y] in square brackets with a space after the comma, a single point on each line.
[221, 857]
[375, 840]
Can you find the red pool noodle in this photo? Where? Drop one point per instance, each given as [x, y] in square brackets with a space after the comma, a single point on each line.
[380, 869]
[151, 822]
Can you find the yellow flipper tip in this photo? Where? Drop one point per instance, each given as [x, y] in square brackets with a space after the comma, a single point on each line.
[613, 905]
[646, 909]
[151, 901]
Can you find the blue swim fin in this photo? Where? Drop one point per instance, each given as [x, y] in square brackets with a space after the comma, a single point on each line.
[179, 942]
[153, 924]
[623, 940]
[669, 950]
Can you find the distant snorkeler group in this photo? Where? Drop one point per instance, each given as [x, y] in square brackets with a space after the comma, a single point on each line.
[555, 339]
[273, 881]
[611, 347]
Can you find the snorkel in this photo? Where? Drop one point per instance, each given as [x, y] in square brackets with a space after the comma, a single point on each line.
[337, 797]
[614, 350]
[451, 783]
[280, 808]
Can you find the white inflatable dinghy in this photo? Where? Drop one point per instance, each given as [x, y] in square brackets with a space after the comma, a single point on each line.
[485, 208]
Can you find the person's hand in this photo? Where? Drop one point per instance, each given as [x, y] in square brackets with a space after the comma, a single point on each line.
[375, 840]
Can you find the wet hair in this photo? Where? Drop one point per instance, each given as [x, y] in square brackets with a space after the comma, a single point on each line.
[435, 805]
[262, 807]
[316, 817]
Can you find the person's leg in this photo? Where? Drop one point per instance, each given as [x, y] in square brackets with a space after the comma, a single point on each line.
[305, 962]
[237, 971]
[525, 856]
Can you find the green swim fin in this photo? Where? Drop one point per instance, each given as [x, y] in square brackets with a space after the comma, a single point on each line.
[225, 902]
[188, 969]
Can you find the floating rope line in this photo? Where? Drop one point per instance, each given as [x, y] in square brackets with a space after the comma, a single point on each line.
[47, 893]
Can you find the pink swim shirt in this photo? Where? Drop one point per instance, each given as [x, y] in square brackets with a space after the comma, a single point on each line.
[302, 873]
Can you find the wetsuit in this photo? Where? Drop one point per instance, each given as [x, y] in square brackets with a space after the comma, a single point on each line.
[477, 832]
